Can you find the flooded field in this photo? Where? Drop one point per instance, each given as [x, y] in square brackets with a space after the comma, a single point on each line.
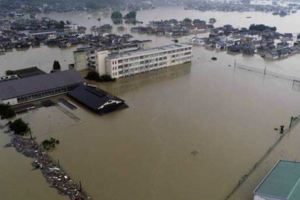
[190, 132]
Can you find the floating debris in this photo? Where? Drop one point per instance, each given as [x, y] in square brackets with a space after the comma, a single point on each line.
[53, 173]
[194, 153]
[8, 145]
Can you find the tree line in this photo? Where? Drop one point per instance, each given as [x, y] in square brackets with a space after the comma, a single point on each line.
[117, 17]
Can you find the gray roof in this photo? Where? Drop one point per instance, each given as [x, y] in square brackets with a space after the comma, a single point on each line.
[27, 72]
[92, 97]
[39, 83]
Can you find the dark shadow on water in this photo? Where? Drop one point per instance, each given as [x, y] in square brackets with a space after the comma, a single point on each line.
[132, 83]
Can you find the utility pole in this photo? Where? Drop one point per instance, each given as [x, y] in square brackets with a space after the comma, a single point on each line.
[265, 70]
[234, 65]
[291, 122]
[80, 186]
[281, 129]
[30, 133]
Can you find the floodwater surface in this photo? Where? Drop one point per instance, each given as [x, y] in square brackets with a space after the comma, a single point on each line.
[190, 131]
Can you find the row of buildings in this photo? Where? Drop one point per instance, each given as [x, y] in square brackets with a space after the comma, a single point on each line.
[260, 39]
[245, 6]
[175, 28]
[127, 63]
[23, 33]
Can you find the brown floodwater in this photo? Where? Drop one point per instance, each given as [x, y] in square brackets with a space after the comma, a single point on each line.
[190, 131]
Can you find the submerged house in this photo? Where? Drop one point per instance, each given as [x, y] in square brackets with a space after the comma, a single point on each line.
[200, 24]
[236, 48]
[248, 49]
[284, 52]
[221, 45]
[272, 54]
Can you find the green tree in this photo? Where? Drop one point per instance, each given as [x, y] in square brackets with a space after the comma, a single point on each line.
[50, 144]
[117, 17]
[187, 21]
[6, 112]
[19, 127]
[9, 72]
[261, 27]
[131, 15]
[93, 76]
[56, 66]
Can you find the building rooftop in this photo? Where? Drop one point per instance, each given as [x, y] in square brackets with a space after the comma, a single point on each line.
[96, 100]
[27, 72]
[282, 182]
[149, 51]
[39, 83]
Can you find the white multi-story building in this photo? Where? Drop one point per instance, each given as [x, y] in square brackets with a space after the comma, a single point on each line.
[92, 58]
[126, 64]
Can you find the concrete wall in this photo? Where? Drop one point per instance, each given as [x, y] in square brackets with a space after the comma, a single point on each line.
[101, 62]
[13, 101]
[80, 59]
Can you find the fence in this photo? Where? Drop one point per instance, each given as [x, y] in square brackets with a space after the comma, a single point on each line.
[293, 122]
[266, 72]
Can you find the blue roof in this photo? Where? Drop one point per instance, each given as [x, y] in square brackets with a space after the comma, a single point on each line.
[283, 182]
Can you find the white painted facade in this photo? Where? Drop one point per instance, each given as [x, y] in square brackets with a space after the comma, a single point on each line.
[80, 58]
[100, 62]
[13, 101]
[126, 64]
[90, 58]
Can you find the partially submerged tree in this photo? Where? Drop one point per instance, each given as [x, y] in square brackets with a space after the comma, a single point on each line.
[187, 21]
[9, 72]
[56, 66]
[94, 76]
[130, 15]
[117, 17]
[50, 144]
[6, 112]
[19, 127]
[261, 28]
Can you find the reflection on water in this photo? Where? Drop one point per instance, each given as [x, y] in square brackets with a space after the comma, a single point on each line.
[227, 116]
[134, 82]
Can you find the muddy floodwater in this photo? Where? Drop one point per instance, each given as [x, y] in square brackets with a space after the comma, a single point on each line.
[190, 131]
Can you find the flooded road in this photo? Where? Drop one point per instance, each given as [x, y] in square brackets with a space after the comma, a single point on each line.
[190, 132]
